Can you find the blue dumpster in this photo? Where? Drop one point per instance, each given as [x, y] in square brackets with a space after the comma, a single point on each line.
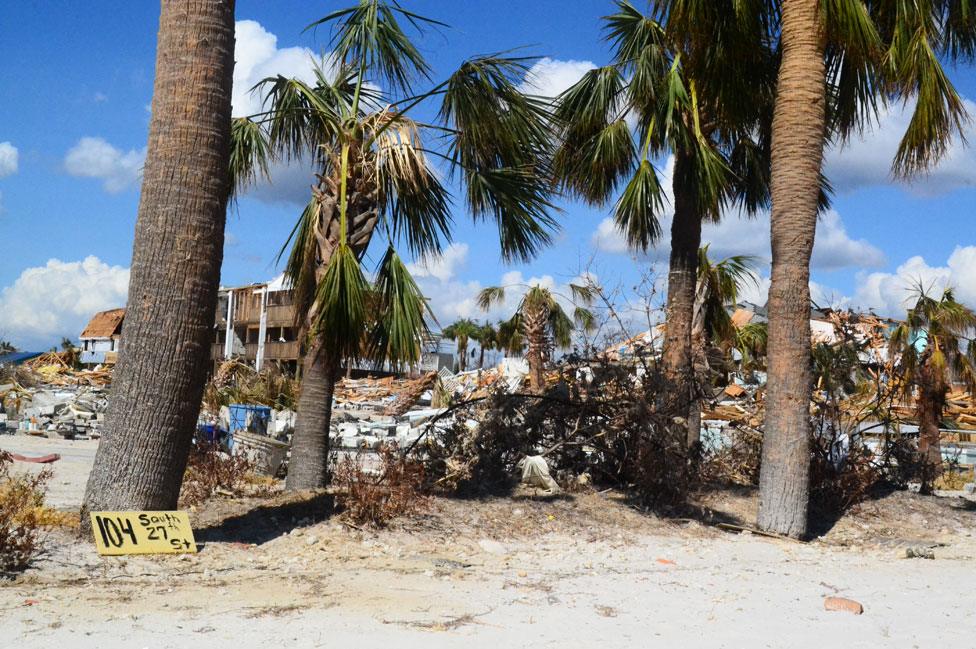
[247, 417]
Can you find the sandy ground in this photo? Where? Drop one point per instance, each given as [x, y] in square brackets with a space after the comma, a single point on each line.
[572, 572]
[67, 486]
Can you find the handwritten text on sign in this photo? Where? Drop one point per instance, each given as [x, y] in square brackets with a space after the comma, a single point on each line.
[142, 532]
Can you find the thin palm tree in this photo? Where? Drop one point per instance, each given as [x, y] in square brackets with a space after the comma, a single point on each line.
[159, 379]
[487, 341]
[461, 331]
[717, 291]
[376, 177]
[933, 348]
[543, 322]
[678, 93]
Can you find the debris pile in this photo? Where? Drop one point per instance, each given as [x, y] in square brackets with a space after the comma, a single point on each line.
[46, 396]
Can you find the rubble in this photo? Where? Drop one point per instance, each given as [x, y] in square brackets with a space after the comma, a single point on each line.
[47, 397]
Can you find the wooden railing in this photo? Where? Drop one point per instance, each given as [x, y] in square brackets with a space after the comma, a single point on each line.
[273, 351]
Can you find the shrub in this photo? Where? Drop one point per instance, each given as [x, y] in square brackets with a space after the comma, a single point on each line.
[375, 497]
[210, 470]
[21, 501]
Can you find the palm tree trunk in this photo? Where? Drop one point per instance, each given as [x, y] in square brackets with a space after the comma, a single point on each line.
[481, 361]
[177, 253]
[309, 467]
[535, 336]
[797, 156]
[462, 355]
[682, 284]
[931, 400]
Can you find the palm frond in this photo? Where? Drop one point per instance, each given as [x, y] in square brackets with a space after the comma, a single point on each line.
[641, 51]
[300, 267]
[915, 68]
[300, 118]
[518, 200]
[369, 36]
[593, 168]
[637, 210]
[250, 153]
[500, 140]
[418, 203]
[584, 318]
[491, 296]
[403, 312]
[340, 308]
[560, 325]
[584, 293]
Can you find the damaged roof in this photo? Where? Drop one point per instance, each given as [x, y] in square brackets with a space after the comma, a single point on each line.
[104, 324]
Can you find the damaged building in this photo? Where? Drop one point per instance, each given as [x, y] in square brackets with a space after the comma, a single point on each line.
[101, 337]
[255, 324]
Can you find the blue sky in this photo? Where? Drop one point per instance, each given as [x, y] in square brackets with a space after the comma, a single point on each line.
[78, 83]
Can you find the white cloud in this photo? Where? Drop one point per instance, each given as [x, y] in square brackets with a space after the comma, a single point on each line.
[57, 299]
[740, 234]
[891, 293]
[550, 77]
[93, 157]
[444, 266]
[866, 160]
[256, 56]
[833, 248]
[756, 292]
[8, 159]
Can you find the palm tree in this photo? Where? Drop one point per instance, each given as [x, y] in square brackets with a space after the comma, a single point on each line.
[718, 287]
[159, 379]
[928, 352]
[461, 331]
[543, 322]
[375, 177]
[487, 341]
[840, 62]
[684, 91]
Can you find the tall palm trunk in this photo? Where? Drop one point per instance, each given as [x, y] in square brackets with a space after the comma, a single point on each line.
[931, 403]
[797, 156]
[462, 354]
[177, 253]
[308, 467]
[699, 364]
[682, 285]
[534, 322]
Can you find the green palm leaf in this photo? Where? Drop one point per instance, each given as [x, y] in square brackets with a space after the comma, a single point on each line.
[640, 204]
[341, 304]
[369, 35]
[402, 325]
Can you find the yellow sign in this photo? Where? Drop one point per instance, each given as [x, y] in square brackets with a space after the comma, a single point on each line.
[142, 532]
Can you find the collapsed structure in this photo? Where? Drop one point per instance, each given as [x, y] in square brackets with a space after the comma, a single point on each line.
[46, 396]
